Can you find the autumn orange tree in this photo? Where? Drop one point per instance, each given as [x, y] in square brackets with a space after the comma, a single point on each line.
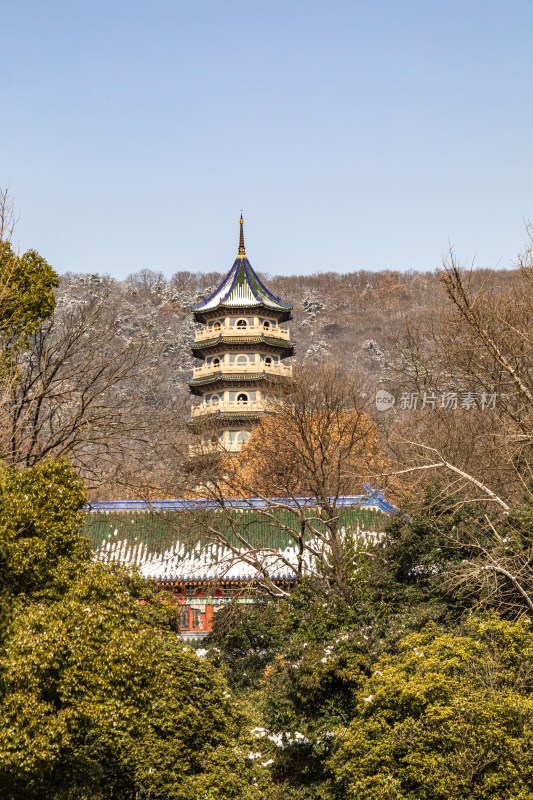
[316, 442]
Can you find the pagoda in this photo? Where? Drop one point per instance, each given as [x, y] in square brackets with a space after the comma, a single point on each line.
[242, 343]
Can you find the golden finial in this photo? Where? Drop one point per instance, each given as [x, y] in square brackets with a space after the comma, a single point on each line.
[242, 251]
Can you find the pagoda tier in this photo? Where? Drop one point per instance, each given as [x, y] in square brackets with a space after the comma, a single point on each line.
[267, 380]
[242, 344]
[213, 347]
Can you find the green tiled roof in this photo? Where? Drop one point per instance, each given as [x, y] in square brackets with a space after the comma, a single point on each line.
[218, 376]
[217, 340]
[148, 534]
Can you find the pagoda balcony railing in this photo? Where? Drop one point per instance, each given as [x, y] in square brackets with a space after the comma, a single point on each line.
[238, 369]
[234, 330]
[228, 406]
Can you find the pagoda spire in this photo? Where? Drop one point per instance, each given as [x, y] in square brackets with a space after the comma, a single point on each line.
[242, 251]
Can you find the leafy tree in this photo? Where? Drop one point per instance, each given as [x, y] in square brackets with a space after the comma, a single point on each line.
[27, 284]
[315, 684]
[451, 555]
[419, 551]
[244, 640]
[40, 522]
[5, 606]
[101, 702]
[450, 716]
[309, 686]
[498, 570]
[101, 699]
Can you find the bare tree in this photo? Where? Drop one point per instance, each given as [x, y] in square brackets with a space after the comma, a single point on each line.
[500, 570]
[315, 446]
[79, 393]
[477, 342]
[480, 343]
[8, 219]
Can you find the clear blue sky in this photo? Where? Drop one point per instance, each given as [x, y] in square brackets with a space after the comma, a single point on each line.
[355, 135]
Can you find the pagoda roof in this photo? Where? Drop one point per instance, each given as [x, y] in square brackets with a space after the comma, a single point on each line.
[242, 288]
[197, 385]
[241, 340]
[226, 416]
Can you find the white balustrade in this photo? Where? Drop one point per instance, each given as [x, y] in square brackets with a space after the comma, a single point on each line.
[249, 367]
[230, 406]
[233, 330]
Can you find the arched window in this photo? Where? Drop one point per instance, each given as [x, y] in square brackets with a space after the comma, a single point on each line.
[215, 400]
[242, 361]
[241, 324]
[216, 362]
[266, 325]
[243, 437]
[216, 326]
[242, 398]
[268, 361]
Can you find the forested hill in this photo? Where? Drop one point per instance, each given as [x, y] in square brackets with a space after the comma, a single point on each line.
[354, 318]
[120, 349]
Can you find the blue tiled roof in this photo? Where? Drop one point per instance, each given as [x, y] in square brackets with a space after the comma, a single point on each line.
[373, 498]
[241, 288]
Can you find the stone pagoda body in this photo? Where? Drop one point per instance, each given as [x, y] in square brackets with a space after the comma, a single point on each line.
[242, 343]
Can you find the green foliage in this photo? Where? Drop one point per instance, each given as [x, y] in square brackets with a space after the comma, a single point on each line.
[419, 552]
[518, 523]
[157, 608]
[315, 611]
[308, 688]
[360, 697]
[101, 702]
[101, 699]
[5, 607]
[337, 650]
[451, 557]
[511, 547]
[244, 640]
[40, 522]
[449, 717]
[388, 692]
[27, 284]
